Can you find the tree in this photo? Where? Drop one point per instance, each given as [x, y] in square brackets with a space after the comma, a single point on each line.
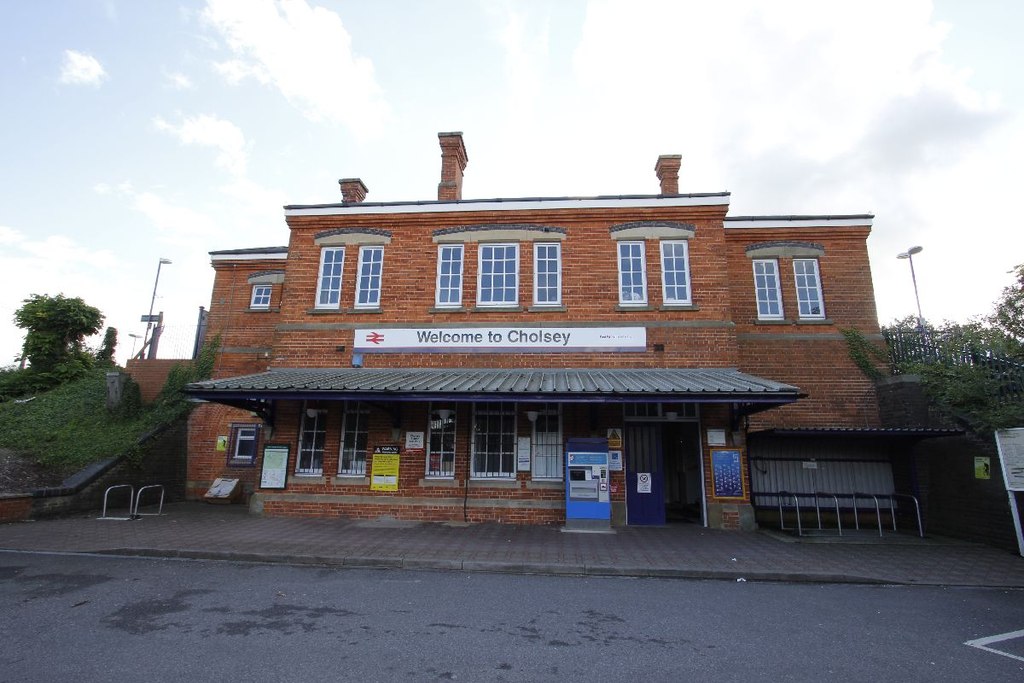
[106, 352]
[1009, 313]
[56, 328]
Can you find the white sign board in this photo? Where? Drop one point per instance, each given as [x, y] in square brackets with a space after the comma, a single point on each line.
[414, 441]
[499, 339]
[716, 437]
[523, 454]
[643, 482]
[615, 461]
[1010, 443]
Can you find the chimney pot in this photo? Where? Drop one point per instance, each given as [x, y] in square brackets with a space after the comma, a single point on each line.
[453, 163]
[353, 190]
[667, 169]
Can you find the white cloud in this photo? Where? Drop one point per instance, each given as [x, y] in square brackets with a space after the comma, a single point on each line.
[179, 225]
[306, 53]
[81, 69]
[179, 81]
[209, 131]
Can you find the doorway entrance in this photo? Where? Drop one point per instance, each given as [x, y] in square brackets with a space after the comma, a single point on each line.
[664, 479]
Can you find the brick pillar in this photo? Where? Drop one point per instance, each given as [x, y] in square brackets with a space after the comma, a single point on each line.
[667, 169]
[453, 163]
[352, 190]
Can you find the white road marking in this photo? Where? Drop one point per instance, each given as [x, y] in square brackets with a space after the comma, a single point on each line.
[983, 643]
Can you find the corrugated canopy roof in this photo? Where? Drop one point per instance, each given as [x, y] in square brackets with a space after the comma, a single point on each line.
[499, 384]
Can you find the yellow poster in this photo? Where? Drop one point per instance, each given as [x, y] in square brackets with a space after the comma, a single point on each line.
[614, 439]
[384, 469]
[982, 467]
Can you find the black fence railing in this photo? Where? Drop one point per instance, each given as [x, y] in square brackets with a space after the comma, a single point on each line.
[910, 348]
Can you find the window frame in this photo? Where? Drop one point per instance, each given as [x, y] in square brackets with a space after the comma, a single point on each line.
[443, 455]
[804, 288]
[256, 300]
[438, 286]
[501, 411]
[480, 275]
[673, 301]
[537, 248]
[642, 258]
[547, 410]
[355, 421]
[235, 439]
[780, 315]
[322, 278]
[365, 250]
[319, 435]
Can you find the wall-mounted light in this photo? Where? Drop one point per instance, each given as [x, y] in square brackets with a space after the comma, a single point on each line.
[313, 412]
[532, 415]
[396, 433]
[444, 414]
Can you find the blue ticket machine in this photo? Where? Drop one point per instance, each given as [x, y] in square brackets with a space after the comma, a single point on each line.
[587, 503]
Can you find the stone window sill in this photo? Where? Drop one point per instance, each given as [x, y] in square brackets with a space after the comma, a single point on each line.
[622, 308]
[546, 309]
[494, 483]
[439, 482]
[496, 309]
[350, 480]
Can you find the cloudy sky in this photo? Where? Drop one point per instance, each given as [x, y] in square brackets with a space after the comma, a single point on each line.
[133, 130]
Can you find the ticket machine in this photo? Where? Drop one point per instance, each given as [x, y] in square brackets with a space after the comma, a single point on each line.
[587, 503]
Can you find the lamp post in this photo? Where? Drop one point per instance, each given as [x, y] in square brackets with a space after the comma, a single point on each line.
[149, 318]
[135, 338]
[909, 255]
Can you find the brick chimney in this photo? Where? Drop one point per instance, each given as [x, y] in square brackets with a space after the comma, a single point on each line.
[667, 169]
[453, 163]
[352, 190]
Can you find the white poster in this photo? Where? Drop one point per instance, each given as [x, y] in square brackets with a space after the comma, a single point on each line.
[523, 452]
[499, 339]
[615, 461]
[643, 482]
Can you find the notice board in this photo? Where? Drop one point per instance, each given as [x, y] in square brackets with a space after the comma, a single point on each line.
[274, 474]
[727, 473]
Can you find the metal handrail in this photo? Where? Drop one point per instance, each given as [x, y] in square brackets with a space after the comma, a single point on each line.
[138, 501]
[131, 500]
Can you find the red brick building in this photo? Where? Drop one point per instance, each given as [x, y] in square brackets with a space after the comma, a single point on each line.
[475, 337]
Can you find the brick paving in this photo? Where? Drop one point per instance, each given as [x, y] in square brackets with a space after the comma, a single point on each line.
[685, 551]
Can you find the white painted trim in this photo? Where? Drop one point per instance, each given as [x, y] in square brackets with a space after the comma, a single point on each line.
[798, 223]
[269, 256]
[511, 205]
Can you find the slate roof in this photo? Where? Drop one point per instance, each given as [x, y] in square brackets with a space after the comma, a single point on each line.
[585, 384]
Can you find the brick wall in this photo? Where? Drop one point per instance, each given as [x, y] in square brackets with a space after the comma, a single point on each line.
[720, 330]
[14, 507]
[151, 375]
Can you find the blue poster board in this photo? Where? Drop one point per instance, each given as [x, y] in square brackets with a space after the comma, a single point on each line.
[727, 474]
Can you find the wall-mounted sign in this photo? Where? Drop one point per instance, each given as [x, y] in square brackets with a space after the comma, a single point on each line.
[222, 442]
[615, 461]
[499, 339]
[384, 471]
[523, 453]
[727, 474]
[716, 437]
[414, 443]
[982, 467]
[274, 474]
[614, 438]
[643, 482]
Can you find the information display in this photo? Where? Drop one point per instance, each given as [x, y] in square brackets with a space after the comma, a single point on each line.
[727, 473]
[274, 474]
[384, 471]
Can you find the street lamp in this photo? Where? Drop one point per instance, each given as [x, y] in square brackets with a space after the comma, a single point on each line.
[149, 318]
[909, 255]
[135, 338]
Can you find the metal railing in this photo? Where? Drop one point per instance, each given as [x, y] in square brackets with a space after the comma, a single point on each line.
[893, 509]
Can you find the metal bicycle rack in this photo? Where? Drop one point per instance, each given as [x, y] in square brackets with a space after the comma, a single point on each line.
[892, 499]
[131, 501]
[138, 500]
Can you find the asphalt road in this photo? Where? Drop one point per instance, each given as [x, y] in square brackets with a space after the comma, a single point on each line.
[90, 618]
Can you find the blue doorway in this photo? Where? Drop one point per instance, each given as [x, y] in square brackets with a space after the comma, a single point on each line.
[645, 474]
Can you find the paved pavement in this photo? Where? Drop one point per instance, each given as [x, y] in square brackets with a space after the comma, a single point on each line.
[198, 530]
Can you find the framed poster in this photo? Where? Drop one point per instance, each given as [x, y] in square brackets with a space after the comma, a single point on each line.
[384, 469]
[727, 473]
[274, 474]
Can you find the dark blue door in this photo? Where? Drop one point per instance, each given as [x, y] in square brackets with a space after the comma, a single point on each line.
[645, 474]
